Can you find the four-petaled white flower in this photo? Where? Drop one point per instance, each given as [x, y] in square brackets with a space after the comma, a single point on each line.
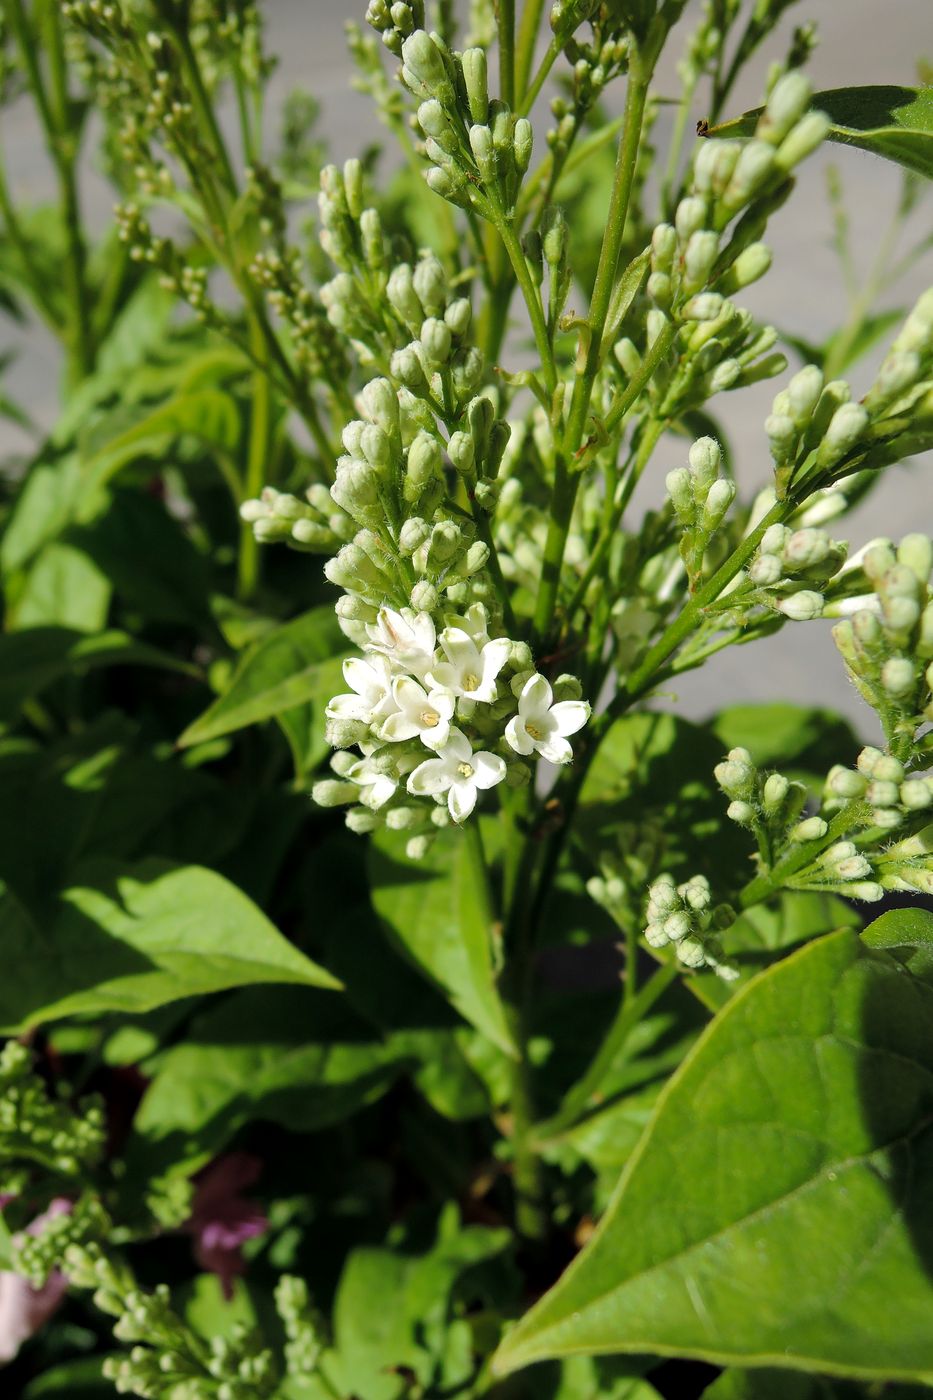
[542, 727]
[474, 622]
[421, 714]
[371, 682]
[407, 638]
[459, 772]
[376, 788]
[468, 671]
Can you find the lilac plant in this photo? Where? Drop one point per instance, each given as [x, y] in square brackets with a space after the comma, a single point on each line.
[405, 1000]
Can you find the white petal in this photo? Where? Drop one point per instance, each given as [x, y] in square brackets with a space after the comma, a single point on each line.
[348, 707]
[422, 629]
[443, 676]
[361, 677]
[442, 701]
[517, 737]
[409, 696]
[461, 650]
[555, 749]
[429, 778]
[536, 696]
[380, 791]
[488, 769]
[461, 799]
[495, 655]
[457, 749]
[399, 727]
[570, 715]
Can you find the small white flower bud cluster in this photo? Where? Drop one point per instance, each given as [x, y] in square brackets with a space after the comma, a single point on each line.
[452, 693]
[701, 498]
[907, 865]
[841, 869]
[303, 1324]
[316, 525]
[682, 915]
[881, 780]
[767, 803]
[812, 428]
[787, 566]
[40, 1130]
[906, 370]
[887, 643]
[478, 149]
[395, 20]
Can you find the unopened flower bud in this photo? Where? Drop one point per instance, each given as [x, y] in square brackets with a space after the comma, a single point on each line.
[484, 154]
[755, 164]
[787, 102]
[407, 368]
[458, 316]
[845, 783]
[690, 216]
[380, 404]
[802, 140]
[554, 235]
[810, 829]
[719, 499]
[423, 466]
[699, 256]
[774, 791]
[473, 63]
[916, 552]
[436, 343]
[412, 535]
[741, 812]
[882, 794]
[803, 606]
[845, 428]
[663, 247]
[898, 676]
[423, 69]
[690, 952]
[522, 139]
[916, 794]
[706, 306]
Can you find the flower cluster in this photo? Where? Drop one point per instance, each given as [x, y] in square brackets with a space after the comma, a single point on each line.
[786, 567]
[684, 917]
[471, 700]
[701, 499]
[39, 1130]
[887, 643]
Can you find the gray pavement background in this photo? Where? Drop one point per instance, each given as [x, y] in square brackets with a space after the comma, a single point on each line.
[862, 41]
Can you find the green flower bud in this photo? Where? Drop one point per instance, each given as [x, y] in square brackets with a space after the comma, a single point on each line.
[754, 166]
[483, 153]
[810, 132]
[461, 451]
[774, 792]
[430, 284]
[707, 306]
[436, 342]
[803, 606]
[699, 256]
[690, 952]
[916, 794]
[720, 498]
[916, 334]
[434, 122]
[376, 447]
[845, 428]
[663, 247]
[446, 542]
[467, 371]
[842, 782]
[782, 437]
[736, 775]
[810, 829]
[422, 467]
[807, 547]
[380, 404]
[627, 356]
[898, 676]
[315, 538]
[407, 368]
[741, 812]
[402, 297]
[724, 376]
[660, 289]
[487, 495]
[458, 316]
[372, 240]
[353, 187]
[523, 138]
[331, 793]
[473, 63]
[803, 393]
[899, 372]
[412, 535]
[705, 459]
[882, 794]
[677, 925]
[867, 630]
[424, 71]
[690, 216]
[916, 552]
[787, 102]
[356, 490]
[679, 485]
[424, 597]
[714, 164]
[655, 936]
[447, 185]
[554, 236]
[361, 821]
[766, 570]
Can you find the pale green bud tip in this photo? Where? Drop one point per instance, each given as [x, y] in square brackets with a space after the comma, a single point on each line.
[843, 782]
[787, 103]
[916, 552]
[741, 812]
[803, 606]
[803, 139]
[775, 790]
[705, 458]
[810, 829]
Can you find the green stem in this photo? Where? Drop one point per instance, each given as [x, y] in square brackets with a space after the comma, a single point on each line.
[566, 482]
[530, 1212]
[631, 1011]
[506, 16]
[763, 886]
[532, 300]
[527, 38]
[257, 464]
[554, 49]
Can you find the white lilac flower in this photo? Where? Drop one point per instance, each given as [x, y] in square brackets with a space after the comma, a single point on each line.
[406, 638]
[371, 684]
[421, 714]
[542, 727]
[376, 788]
[469, 671]
[474, 622]
[459, 772]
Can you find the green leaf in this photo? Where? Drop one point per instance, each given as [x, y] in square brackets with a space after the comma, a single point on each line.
[394, 1310]
[800, 740]
[766, 1384]
[435, 912]
[210, 415]
[894, 122]
[34, 659]
[82, 1379]
[777, 1209]
[292, 1056]
[908, 935]
[279, 673]
[64, 588]
[132, 937]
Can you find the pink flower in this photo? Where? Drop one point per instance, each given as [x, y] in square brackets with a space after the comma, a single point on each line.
[24, 1310]
[222, 1219]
